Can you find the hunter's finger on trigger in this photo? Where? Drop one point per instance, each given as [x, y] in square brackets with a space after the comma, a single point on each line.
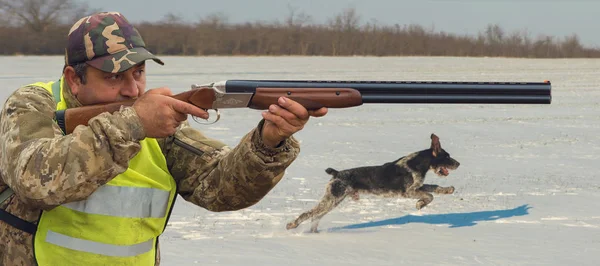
[187, 108]
[294, 107]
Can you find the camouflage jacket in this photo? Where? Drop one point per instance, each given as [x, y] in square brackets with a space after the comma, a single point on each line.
[46, 169]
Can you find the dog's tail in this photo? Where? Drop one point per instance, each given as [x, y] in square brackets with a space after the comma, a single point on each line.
[331, 171]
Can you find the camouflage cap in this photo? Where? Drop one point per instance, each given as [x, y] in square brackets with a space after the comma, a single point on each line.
[107, 42]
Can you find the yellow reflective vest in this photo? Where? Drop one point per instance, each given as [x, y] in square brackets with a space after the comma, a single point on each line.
[119, 223]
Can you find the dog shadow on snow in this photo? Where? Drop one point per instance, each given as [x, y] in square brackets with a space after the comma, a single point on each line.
[454, 220]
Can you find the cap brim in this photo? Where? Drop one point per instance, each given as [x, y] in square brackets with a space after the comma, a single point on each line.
[123, 60]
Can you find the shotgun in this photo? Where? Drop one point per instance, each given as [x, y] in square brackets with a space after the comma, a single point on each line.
[314, 94]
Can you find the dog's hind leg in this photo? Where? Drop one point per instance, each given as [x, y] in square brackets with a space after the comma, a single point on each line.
[335, 193]
[321, 212]
[327, 203]
[437, 189]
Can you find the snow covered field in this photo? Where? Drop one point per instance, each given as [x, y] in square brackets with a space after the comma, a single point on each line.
[526, 191]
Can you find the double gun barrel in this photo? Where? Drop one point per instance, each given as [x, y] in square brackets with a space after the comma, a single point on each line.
[438, 92]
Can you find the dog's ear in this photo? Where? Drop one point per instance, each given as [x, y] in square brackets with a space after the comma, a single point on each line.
[436, 148]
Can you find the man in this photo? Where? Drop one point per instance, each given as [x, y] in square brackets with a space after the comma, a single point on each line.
[103, 194]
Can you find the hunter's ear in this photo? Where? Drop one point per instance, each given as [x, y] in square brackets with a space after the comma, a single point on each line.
[435, 145]
[72, 80]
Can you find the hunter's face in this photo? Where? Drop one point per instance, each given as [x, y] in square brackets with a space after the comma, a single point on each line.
[105, 87]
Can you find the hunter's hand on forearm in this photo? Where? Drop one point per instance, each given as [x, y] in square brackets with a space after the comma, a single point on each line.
[284, 119]
[161, 114]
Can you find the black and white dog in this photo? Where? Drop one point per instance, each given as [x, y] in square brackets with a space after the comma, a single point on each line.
[403, 177]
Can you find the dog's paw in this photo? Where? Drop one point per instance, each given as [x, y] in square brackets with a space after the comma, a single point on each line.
[421, 204]
[444, 190]
[314, 229]
[291, 225]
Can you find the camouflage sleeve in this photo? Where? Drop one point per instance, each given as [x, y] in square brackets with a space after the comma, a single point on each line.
[217, 178]
[45, 168]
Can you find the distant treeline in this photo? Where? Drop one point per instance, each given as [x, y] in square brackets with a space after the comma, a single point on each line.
[343, 35]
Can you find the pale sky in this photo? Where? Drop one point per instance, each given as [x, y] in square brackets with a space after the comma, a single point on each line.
[557, 18]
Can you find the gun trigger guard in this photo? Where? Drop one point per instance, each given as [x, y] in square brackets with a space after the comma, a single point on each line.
[218, 117]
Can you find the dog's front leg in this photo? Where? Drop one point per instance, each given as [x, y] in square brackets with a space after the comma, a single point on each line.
[437, 189]
[423, 197]
[415, 192]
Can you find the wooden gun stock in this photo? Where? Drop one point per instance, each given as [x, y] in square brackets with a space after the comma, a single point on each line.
[70, 118]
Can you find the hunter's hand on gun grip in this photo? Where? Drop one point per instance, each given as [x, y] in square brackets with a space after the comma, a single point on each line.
[284, 119]
[161, 114]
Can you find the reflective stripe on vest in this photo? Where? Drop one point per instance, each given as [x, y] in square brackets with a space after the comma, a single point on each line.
[56, 91]
[98, 248]
[116, 201]
[119, 223]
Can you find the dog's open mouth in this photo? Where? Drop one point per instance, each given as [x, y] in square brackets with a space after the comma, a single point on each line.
[442, 171]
